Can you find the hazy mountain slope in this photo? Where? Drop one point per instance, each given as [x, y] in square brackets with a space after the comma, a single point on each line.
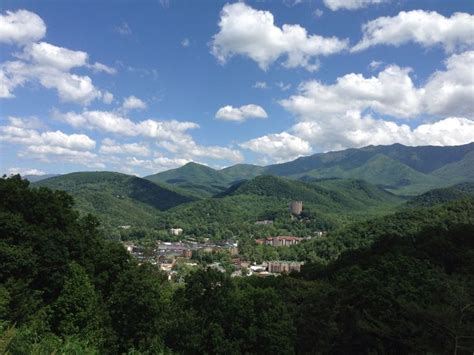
[462, 170]
[424, 159]
[204, 181]
[242, 171]
[36, 178]
[380, 169]
[196, 178]
[332, 196]
[116, 198]
[442, 195]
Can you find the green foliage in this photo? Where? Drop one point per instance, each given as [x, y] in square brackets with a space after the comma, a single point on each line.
[405, 170]
[402, 283]
[436, 196]
[204, 181]
[216, 315]
[118, 199]
[77, 311]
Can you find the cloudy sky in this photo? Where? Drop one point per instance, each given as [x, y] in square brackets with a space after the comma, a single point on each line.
[144, 86]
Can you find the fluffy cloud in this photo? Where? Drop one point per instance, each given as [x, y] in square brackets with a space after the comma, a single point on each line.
[350, 4]
[392, 92]
[239, 114]
[107, 97]
[44, 63]
[16, 132]
[22, 171]
[355, 130]
[74, 148]
[451, 92]
[278, 147]
[335, 116]
[102, 68]
[114, 123]
[171, 135]
[189, 149]
[110, 146]
[48, 55]
[422, 27]
[160, 163]
[21, 27]
[252, 33]
[133, 103]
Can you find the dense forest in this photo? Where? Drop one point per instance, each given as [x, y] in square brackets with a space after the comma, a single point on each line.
[402, 283]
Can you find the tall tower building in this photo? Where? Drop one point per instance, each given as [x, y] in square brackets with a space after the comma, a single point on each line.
[296, 207]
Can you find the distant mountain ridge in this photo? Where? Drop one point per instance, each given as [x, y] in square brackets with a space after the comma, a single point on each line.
[117, 198]
[401, 169]
[36, 178]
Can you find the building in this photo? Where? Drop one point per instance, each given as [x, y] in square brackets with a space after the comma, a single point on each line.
[296, 207]
[280, 241]
[279, 267]
[187, 253]
[176, 231]
[265, 222]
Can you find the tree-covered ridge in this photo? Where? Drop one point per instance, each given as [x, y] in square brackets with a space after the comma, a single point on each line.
[406, 285]
[447, 194]
[327, 204]
[405, 223]
[204, 181]
[118, 199]
[401, 169]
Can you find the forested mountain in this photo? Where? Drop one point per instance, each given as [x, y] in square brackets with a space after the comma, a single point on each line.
[441, 195]
[401, 169]
[117, 199]
[327, 204]
[398, 284]
[205, 181]
[36, 178]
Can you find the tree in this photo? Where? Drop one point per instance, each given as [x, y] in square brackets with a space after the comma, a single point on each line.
[77, 311]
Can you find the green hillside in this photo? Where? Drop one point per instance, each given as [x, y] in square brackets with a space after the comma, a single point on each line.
[117, 199]
[327, 194]
[326, 205]
[242, 171]
[198, 179]
[401, 169]
[462, 170]
[36, 178]
[204, 181]
[436, 196]
[424, 159]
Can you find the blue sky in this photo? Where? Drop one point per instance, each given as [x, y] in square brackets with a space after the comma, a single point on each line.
[145, 86]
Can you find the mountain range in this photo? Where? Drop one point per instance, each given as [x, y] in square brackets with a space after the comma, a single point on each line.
[400, 169]
[335, 186]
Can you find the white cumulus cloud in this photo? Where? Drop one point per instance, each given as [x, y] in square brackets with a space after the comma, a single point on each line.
[133, 103]
[109, 146]
[44, 63]
[73, 148]
[350, 4]
[253, 34]
[21, 27]
[427, 28]
[239, 114]
[278, 147]
[22, 171]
